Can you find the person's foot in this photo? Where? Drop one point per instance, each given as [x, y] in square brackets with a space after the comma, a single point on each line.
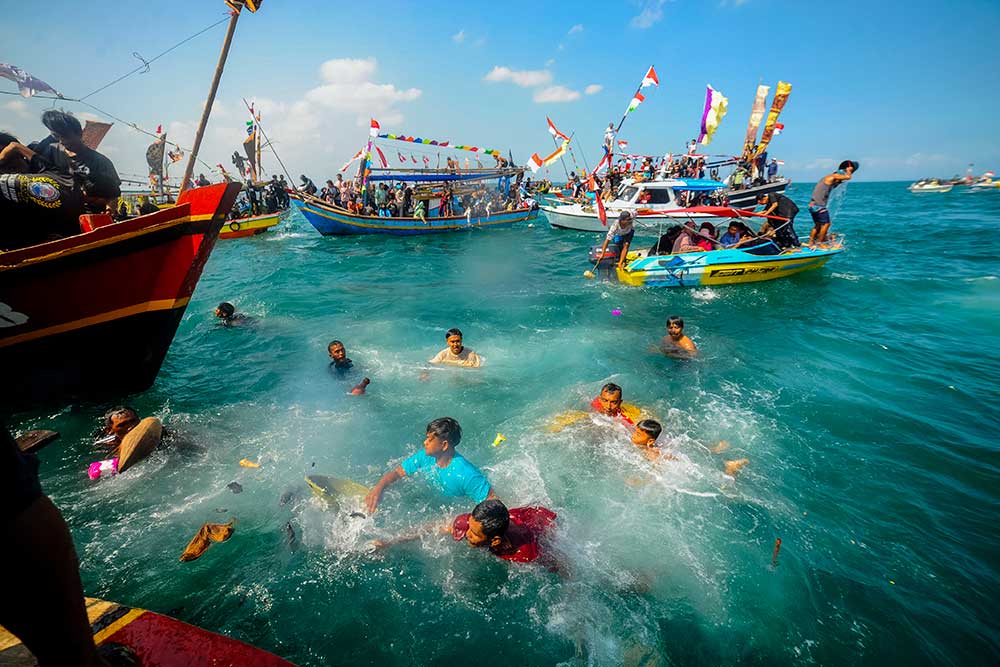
[733, 467]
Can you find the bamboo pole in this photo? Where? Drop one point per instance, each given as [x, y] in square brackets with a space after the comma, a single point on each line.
[189, 170]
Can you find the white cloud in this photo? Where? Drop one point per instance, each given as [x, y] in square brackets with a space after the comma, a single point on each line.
[652, 12]
[575, 29]
[822, 163]
[19, 107]
[523, 78]
[459, 36]
[348, 87]
[556, 94]
[593, 89]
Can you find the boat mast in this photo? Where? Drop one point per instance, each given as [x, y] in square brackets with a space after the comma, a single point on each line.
[189, 169]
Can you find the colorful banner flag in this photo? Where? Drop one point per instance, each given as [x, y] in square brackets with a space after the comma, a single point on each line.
[375, 127]
[554, 132]
[534, 163]
[556, 154]
[650, 79]
[94, 133]
[715, 108]
[27, 85]
[154, 157]
[780, 97]
[756, 115]
[250, 148]
[440, 144]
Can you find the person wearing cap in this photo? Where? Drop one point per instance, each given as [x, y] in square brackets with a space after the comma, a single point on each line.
[821, 197]
[620, 234]
[783, 207]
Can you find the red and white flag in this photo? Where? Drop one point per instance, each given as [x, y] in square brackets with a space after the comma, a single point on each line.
[159, 130]
[348, 163]
[781, 162]
[636, 101]
[622, 144]
[554, 132]
[534, 163]
[778, 127]
[427, 160]
[413, 158]
[381, 156]
[374, 128]
[650, 79]
[400, 156]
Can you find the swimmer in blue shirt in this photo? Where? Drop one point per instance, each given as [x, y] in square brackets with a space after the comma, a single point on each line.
[445, 469]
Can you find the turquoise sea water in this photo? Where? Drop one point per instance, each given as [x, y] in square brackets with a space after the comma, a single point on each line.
[864, 395]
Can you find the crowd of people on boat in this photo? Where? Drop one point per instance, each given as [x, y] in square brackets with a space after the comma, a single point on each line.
[262, 198]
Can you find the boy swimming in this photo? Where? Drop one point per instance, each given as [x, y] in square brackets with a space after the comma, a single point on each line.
[675, 343]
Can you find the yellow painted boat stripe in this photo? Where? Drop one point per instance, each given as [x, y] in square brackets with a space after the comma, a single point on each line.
[148, 306]
[7, 640]
[118, 625]
[96, 608]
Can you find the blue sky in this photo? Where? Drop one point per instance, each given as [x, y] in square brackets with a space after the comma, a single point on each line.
[908, 88]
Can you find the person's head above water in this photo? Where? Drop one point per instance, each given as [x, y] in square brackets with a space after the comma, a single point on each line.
[454, 339]
[120, 420]
[849, 166]
[337, 351]
[675, 326]
[443, 435]
[488, 524]
[611, 399]
[646, 432]
[225, 310]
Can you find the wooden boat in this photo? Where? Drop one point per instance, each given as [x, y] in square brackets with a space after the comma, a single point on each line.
[249, 226]
[331, 220]
[154, 639]
[95, 313]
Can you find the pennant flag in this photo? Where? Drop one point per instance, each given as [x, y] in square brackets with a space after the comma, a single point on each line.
[534, 163]
[634, 104]
[93, 133]
[250, 148]
[159, 130]
[622, 144]
[556, 154]
[427, 161]
[756, 115]
[650, 79]
[353, 159]
[413, 158]
[373, 131]
[601, 213]
[27, 85]
[554, 132]
[381, 156]
[780, 97]
[778, 127]
[400, 156]
[715, 108]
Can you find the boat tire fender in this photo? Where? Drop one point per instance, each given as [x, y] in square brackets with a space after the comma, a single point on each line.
[234, 226]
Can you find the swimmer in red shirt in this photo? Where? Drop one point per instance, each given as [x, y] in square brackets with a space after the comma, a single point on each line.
[509, 534]
[609, 403]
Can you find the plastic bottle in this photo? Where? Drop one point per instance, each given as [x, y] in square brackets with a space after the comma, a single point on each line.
[98, 467]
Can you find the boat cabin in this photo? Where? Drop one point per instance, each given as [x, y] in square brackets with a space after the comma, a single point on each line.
[669, 194]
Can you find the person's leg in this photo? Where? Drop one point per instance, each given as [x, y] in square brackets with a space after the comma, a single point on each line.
[822, 232]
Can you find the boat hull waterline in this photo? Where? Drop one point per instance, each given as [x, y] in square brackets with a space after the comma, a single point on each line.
[243, 227]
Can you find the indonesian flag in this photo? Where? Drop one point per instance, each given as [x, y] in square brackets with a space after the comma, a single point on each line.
[427, 160]
[381, 156]
[987, 174]
[650, 79]
[781, 162]
[413, 158]
[622, 144]
[778, 127]
[400, 156]
[373, 131]
[159, 130]
[554, 132]
[534, 163]
[605, 161]
[636, 101]
[601, 213]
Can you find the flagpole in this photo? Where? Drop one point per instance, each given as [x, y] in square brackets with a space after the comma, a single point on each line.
[189, 170]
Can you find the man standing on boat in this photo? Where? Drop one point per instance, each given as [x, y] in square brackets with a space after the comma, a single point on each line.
[781, 206]
[821, 197]
[620, 234]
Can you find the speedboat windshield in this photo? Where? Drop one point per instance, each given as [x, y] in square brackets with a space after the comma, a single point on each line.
[628, 193]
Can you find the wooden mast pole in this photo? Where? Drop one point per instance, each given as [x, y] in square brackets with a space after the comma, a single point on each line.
[189, 170]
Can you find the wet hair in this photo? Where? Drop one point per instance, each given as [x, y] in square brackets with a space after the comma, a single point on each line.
[453, 332]
[7, 138]
[334, 342]
[849, 163]
[650, 427]
[116, 411]
[446, 428]
[709, 226]
[227, 309]
[674, 319]
[62, 123]
[611, 388]
[494, 516]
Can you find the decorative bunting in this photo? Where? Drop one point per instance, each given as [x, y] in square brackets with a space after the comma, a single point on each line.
[381, 156]
[780, 97]
[441, 144]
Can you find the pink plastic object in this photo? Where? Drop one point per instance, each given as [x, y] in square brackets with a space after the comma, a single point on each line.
[98, 467]
[616, 312]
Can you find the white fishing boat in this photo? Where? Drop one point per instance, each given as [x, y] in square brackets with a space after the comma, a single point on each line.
[651, 202]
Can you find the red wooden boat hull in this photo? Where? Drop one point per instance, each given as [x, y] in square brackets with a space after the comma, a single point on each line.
[95, 313]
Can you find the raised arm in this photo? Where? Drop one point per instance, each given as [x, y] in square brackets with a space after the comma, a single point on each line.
[375, 495]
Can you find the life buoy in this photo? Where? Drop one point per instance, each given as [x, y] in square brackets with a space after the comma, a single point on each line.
[234, 226]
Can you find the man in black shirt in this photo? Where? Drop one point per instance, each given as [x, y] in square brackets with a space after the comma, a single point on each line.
[782, 206]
